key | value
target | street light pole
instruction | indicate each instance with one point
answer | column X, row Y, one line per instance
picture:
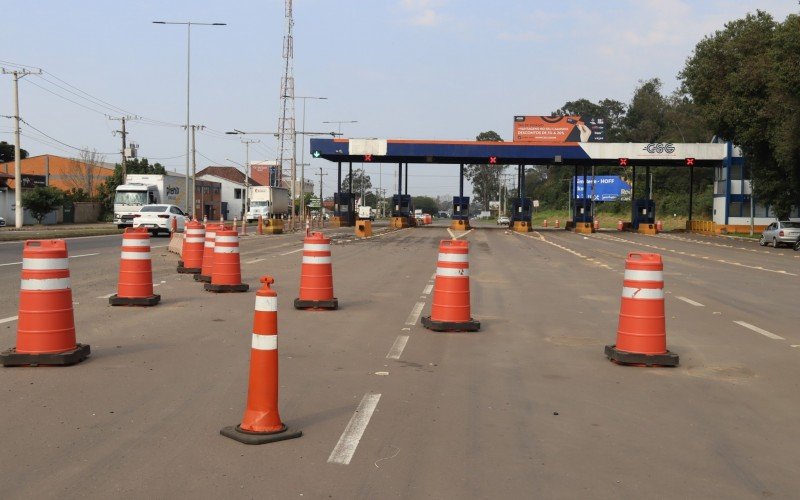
column 247, row 143
column 303, row 155
column 340, row 123
column 188, row 86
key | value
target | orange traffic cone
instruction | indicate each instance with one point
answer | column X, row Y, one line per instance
column 641, row 335
column 226, row 275
column 192, row 251
column 545, row 223
column 316, row 275
column 261, row 422
column 450, row 310
column 207, row 267
column 135, row 287
column 45, row 325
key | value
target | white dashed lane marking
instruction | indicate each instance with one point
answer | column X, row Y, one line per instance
column 759, row 330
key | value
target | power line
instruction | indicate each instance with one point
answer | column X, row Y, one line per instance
column 56, row 140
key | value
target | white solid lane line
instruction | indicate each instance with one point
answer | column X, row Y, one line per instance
column 346, row 447
column 106, row 296
column 253, row 261
column 83, row 255
column 9, row 319
column 427, row 289
column 415, row 312
column 397, row 348
column 690, row 301
column 11, row 264
column 759, row 330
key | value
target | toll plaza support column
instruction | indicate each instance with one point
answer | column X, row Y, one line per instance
column 336, row 220
column 522, row 207
column 400, row 203
column 581, row 217
column 644, row 216
column 460, row 217
column 344, row 213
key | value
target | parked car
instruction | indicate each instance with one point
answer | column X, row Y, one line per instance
column 503, row 220
column 797, row 245
column 158, row 218
column 2, row 222
column 782, row 232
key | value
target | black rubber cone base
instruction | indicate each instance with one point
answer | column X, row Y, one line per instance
column 241, row 287
column 187, row 270
column 238, row 434
column 331, row 304
column 633, row 358
column 202, row 277
column 13, row 358
column 116, row 300
column 451, row 326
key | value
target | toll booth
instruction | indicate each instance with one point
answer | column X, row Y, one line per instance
column 643, row 219
column 344, row 211
column 521, row 214
column 582, row 211
column 402, row 211
column 460, row 213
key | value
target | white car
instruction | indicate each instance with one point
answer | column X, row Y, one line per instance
column 503, row 220
column 158, row 218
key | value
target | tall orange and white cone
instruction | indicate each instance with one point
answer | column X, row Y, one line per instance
column 261, row 422
column 135, row 286
column 316, row 275
column 207, row 266
column 192, row 251
column 641, row 334
column 450, row 309
column 45, row 325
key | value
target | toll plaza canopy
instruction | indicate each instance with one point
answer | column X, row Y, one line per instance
column 511, row 153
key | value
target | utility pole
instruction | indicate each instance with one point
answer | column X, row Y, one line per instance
column 191, row 201
column 287, row 144
column 124, row 134
column 18, row 73
column 247, row 143
column 303, row 190
column 321, row 205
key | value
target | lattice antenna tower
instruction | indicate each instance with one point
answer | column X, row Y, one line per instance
column 286, row 125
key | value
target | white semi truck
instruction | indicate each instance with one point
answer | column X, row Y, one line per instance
column 268, row 202
column 146, row 189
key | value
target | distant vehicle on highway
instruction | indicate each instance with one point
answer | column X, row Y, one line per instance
column 158, row 218
column 442, row 215
column 782, row 232
column 503, row 220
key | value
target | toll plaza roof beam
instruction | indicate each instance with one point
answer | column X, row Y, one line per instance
column 503, row 153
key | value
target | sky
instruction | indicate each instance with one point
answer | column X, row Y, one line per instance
column 416, row 69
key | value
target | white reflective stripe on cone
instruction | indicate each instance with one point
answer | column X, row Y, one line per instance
column 195, row 232
column 45, row 284
column 314, row 247
column 209, row 244
column 638, row 275
column 453, row 257
column 642, row 293
column 450, row 271
column 266, row 304
column 226, row 249
column 265, row 342
column 316, row 260
column 226, row 239
column 135, row 255
column 44, row 264
column 130, row 242
column 189, row 239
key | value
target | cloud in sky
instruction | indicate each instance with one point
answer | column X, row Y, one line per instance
column 423, row 12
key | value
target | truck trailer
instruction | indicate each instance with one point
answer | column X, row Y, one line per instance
column 146, row 189
column 269, row 202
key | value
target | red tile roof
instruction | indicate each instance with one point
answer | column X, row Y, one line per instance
column 232, row 174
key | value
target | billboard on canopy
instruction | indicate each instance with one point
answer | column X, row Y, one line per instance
column 569, row 128
column 602, row 188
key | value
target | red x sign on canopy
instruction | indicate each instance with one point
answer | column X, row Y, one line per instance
column 689, row 162
column 623, row 162
column 493, row 160
column 367, row 157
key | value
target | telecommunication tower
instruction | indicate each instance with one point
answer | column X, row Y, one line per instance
column 286, row 125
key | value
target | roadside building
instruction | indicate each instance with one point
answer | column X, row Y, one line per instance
column 232, row 188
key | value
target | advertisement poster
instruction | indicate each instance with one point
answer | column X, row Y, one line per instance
column 602, row 188
column 571, row 128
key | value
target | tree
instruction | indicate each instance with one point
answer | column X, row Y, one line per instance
column 744, row 81
column 42, row 200
column 107, row 190
column 7, row 152
column 427, row 204
column 83, row 171
column 361, row 182
column 485, row 178
column 611, row 111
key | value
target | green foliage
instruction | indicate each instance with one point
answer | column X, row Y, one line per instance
column 7, row 152
column 485, row 178
column 42, row 200
column 744, row 80
column 74, row 195
column 361, row 182
column 106, row 191
column 427, row 204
